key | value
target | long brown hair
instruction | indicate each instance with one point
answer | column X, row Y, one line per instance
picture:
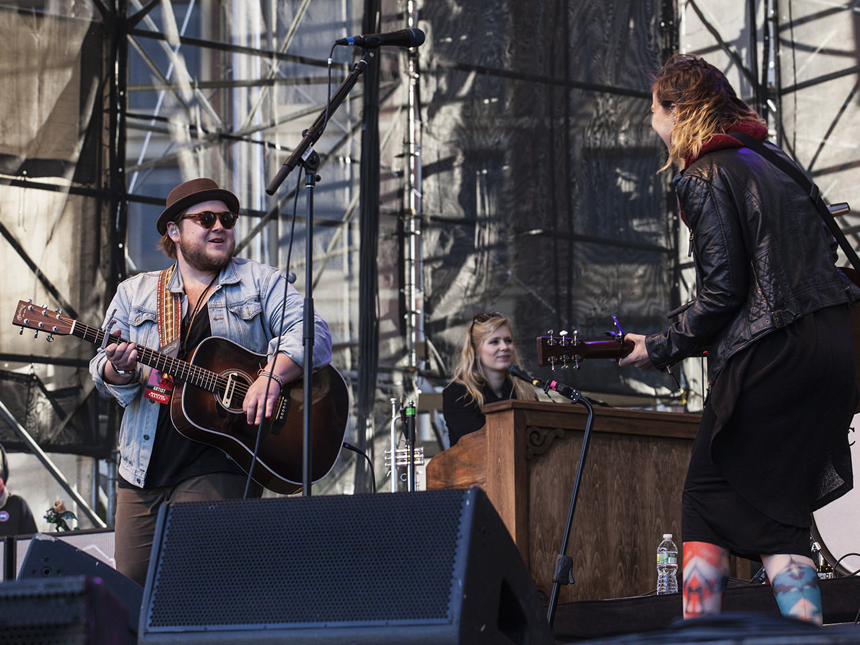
column 703, row 104
column 469, row 371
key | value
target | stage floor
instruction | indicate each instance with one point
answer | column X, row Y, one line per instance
column 597, row 619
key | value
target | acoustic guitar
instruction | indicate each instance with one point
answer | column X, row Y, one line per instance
column 207, row 402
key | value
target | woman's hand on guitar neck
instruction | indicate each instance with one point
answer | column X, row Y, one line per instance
column 639, row 356
column 121, row 356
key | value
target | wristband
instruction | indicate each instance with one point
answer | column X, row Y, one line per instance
column 277, row 379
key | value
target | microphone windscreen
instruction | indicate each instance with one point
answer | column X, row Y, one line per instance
column 417, row 37
column 515, row 370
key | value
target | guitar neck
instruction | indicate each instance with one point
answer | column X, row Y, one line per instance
column 164, row 363
column 607, row 348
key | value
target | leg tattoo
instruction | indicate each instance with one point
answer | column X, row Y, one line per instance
column 706, row 574
column 795, row 585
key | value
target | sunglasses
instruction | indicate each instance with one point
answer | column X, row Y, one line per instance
column 482, row 318
column 206, row 219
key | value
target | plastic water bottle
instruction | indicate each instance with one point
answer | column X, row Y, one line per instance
column 667, row 566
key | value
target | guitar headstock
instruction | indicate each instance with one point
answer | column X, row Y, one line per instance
column 559, row 350
column 566, row 351
column 41, row 319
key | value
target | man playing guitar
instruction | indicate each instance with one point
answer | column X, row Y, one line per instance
column 206, row 293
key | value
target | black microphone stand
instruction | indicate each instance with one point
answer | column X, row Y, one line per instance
column 564, row 563
column 305, row 155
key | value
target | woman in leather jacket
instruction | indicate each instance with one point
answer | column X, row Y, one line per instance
column 771, row 314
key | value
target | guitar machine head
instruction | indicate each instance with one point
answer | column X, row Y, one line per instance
column 41, row 319
column 559, row 350
column 568, row 351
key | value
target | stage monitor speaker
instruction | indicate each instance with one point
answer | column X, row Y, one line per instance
column 74, row 610
column 49, row 557
column 408, row 568
column 98, row 543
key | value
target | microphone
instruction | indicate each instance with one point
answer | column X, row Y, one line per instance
column 561, row 388
column 403, row 38
column 515, row 370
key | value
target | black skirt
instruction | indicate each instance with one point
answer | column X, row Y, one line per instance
column 773, row 446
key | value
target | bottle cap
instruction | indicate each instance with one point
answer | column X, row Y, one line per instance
column 667, row 536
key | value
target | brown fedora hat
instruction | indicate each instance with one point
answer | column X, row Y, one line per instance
column 193, row 192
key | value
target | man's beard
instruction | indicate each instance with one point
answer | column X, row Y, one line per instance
column 196, row 255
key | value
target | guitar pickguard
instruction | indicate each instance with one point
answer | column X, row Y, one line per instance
column 231, row 395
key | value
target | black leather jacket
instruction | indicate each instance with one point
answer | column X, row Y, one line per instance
column 763, row 256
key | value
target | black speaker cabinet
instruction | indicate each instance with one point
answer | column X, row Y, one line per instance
column 429, row 567
column 74, row 610
column 49, row 557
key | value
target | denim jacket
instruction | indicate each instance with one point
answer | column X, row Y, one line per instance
column 245, row 306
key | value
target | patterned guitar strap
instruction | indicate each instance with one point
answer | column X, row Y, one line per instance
column 159, row 386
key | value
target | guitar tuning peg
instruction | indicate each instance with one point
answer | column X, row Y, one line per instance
column 620, row 333
column 21, row 332
column 576, row 338
column 50, row 338
column 563, row 334
column 36, row 335
column 45, row 307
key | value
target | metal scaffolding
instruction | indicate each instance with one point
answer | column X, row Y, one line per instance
column 481, row 171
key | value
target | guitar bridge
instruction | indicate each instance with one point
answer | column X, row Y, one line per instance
column 282, row 407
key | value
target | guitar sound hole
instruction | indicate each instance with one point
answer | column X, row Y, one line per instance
column 231, row 392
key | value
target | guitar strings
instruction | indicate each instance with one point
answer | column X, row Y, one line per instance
column 191, row 373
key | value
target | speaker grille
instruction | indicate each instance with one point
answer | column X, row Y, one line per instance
column 55, row 614
column 60, row 611
column 257, row 562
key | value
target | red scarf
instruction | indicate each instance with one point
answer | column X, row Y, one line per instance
column 723, row 141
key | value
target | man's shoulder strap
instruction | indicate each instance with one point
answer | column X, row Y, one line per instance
column 169, row 309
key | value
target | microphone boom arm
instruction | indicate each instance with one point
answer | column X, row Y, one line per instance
column 305, row 148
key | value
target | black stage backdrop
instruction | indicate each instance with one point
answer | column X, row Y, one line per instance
column 541, row 189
